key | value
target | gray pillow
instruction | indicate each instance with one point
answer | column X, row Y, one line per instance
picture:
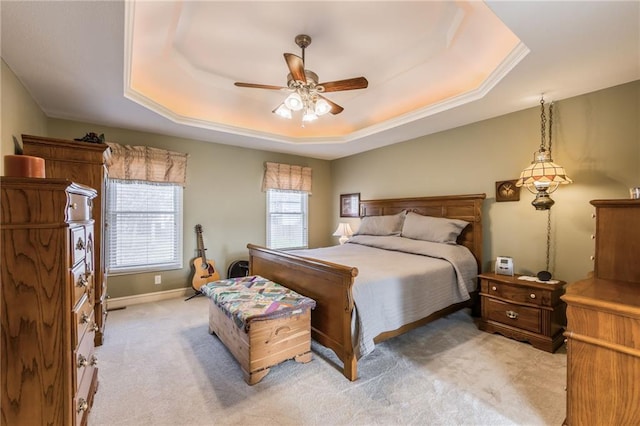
column 435, row 229
column 381, row 225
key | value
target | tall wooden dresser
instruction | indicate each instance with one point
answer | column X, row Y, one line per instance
column 49, row 371
column 84, row 163
column 603, row 323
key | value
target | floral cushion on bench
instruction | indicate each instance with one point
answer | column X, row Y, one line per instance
column 253, row 298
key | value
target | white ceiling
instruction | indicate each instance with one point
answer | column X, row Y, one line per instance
column 169, row 67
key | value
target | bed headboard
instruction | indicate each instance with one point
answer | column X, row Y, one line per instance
column 465, row 207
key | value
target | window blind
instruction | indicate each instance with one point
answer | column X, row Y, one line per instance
column 143, row 226
column 287, row 219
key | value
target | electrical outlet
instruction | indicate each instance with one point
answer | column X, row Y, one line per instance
column 158, row 279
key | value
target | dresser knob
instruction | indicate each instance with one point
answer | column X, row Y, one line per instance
column 532, row 295
column 494, row 288
column 592, row 257
column 593, row 237
column 95, row 327
column 82, row 361
column 80, row 244
column 512, row 314
column 94, row 361
column 83, row 405
column 84, row 318
column 74, row 206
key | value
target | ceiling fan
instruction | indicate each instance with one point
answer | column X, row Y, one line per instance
column 306, row 92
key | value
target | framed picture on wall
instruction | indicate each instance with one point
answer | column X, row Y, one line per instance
column 506, row 190
column 350, row 205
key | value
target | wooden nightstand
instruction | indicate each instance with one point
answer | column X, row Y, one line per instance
column 523, row 310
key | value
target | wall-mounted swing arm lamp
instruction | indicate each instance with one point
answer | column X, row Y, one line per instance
column 542, row 177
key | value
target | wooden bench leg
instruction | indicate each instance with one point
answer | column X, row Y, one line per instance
column 253, row 378
column 303, row 358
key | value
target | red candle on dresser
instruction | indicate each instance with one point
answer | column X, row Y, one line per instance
column 23, row 166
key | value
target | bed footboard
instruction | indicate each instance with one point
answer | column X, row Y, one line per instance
column 329, row 284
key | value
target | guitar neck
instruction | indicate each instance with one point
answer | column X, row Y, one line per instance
column 201, row 249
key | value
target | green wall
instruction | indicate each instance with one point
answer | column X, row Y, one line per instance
column 20, row 114
column 596, row 138
column 223, row 194
column 223, row 191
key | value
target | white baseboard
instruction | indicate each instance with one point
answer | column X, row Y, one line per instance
column 121, row 302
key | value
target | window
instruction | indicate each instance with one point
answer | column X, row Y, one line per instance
column 143, row 226
column 286, row 219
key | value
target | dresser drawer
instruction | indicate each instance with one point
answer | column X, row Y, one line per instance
column 518, row 294
column 84, row 358
column 79, row 208
column 89, row 249
column 521, row 317
column 83, row 399
column 82, row 280
column 79, row 244
column 83, row 319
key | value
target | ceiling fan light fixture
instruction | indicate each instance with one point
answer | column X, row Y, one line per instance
column 322, row 107
column 283, row 111
column 305, row 88
column 309, row 115
column 294, row 102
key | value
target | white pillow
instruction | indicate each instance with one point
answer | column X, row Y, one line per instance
column 381, row 225
column 435, row 229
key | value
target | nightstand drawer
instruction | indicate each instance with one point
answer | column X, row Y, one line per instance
column 521, row 317
column 519, row 294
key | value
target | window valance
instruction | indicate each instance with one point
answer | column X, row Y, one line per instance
column 148, row 164
column 286, row 177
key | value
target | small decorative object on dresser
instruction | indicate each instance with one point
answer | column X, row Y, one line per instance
column 91, row 137
column 23, row 166
column 523, row 309
column 506, row 190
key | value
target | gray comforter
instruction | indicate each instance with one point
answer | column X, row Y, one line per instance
column 400, row 280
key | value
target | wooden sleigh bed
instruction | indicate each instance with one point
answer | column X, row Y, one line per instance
column 331, row 284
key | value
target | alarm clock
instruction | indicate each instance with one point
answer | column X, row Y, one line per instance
column 504, row 265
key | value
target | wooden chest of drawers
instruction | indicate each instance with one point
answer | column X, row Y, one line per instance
column 48, row 373
column 603, row 352
column 603, row 329
column 83, row 163
column 523, row 310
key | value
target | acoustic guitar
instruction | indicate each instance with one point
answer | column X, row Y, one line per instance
column 205, row 270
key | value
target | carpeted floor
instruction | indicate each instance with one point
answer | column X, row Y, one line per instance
column 160, row 366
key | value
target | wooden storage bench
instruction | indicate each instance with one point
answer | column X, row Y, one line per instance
column 260, row 322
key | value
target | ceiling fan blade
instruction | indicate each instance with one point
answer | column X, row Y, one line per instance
column 259, row 86
column 348, row 84
column 296, row 67
column 335, row 108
